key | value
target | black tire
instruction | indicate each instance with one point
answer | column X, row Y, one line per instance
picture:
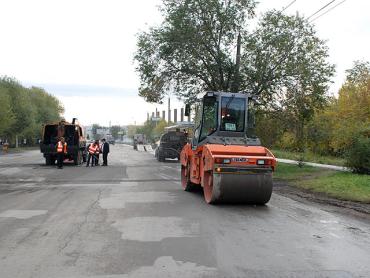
column 161, row 158
column 77, row 158
column 186, row 184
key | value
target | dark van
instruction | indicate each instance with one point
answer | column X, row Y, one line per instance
column 170, row 145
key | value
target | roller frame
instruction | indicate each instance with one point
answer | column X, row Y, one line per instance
column 235, row 183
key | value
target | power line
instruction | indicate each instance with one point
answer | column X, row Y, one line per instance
column 319, row 10
column 332, row 8
column 291, row 3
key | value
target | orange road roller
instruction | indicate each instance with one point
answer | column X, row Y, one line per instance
column 224, row 157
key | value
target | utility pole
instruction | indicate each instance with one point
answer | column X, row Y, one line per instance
column 169, row 110
column 235, row 85
column 182, row 115
column 175, row 116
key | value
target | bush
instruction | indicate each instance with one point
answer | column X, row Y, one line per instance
column 288, row 141
column 358, row 155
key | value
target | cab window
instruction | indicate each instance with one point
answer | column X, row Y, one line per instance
column 232, row 114
column 209, row 124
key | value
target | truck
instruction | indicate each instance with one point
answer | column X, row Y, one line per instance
column 74, row 137
column 173, row 140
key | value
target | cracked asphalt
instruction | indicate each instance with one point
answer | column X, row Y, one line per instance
column 132, row 219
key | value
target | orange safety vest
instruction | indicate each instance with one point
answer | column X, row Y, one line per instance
column 97, row 149
column 61, row 148
column 92, row 149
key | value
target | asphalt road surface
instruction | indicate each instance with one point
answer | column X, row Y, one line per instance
column 132, row 219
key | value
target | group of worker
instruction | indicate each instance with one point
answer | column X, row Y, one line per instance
column 93, row 151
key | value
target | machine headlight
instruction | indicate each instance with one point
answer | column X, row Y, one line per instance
column 221, row 160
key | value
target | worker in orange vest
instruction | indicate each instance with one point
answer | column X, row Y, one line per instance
column 61, row 151
column 93, row 148
column 97, row 153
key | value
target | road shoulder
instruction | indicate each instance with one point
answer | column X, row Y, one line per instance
column 302, row 195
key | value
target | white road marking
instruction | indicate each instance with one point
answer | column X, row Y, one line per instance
column 329, row 222
column 35, row 179
column 22, row 214
column 164, row 176
column 119, row 200
column 155, row 228
column 334, row 235
column 178, row 169
column 168, row 167
column 129, row 183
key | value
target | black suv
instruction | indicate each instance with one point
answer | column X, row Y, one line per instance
column 170, row 145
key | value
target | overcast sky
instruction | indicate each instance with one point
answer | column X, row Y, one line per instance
column 82, row 50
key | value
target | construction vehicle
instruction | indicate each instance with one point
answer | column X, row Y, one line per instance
column 74, row 137
column 224, row 157
column 173, row 140
column 170, row 145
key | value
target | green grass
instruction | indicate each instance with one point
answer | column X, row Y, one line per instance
column 309, row 157
column 344, row 186
column 291, row 172
column 339, row 185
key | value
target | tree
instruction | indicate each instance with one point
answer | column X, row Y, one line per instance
column 282, row 55
column 114, row 130
column 48, row 107
column 147, row 129
column 193, row 49
column 344, row 124
column 94, row 129
column 159, row 128
column 24, row 110
column 132, row 130
column 21, row 106
column 286, row 66
column 352, row 117
column 6, row 114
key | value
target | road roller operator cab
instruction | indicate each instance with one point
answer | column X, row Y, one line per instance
column 224, row 156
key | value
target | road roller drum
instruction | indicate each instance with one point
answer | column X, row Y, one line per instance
column 253, row 188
